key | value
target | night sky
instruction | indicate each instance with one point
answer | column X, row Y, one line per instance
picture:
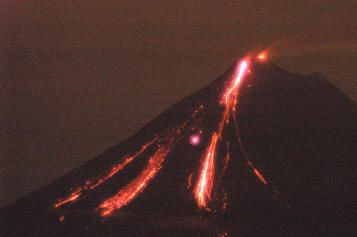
column 77, row 78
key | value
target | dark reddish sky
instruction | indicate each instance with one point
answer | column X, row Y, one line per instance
column 77, row 78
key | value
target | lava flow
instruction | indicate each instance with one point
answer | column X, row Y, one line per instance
column 204, row 186
column 129, row 192
column 79, row 191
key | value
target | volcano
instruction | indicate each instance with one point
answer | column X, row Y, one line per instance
column 259, row 151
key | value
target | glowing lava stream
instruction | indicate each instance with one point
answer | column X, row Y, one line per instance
column 249, row 163
column 234, row 87
column 135, row 187
column 129, row 192
column 204, row 186
column 231, row 103
column 93, row 184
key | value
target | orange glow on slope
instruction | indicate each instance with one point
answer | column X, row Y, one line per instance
column 208, row 178
column 226, row 160
column 238, row 76
column 262, row 56
column 74, row 196
column 135, row 187
column 260, row 176
column 256, row 172
column 93, row 184
column 120, row 166
column 242, row 70
column 189, row 181
column 250, row 164
column 204, row 187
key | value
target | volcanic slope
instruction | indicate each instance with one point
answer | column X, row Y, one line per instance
column 272, row 155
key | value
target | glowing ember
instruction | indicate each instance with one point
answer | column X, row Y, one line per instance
column 195, row 139
column 135, row 187
column 263, row 56
column 189, row 181
column 226, row 160
column 223, row 235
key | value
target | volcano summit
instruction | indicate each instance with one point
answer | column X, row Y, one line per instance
column 259, row 151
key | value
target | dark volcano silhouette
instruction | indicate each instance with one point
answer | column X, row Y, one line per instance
column 298, row 131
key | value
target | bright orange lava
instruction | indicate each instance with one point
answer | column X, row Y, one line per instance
column 262, row 56
column 93, row 184
column 74, row 196
column 256, row 172
column 120, row 166
column 233, row 88
column 204, row 187
column 260, row 176
column 135, row 187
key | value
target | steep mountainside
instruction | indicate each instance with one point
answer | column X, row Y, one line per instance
column 259, row 151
